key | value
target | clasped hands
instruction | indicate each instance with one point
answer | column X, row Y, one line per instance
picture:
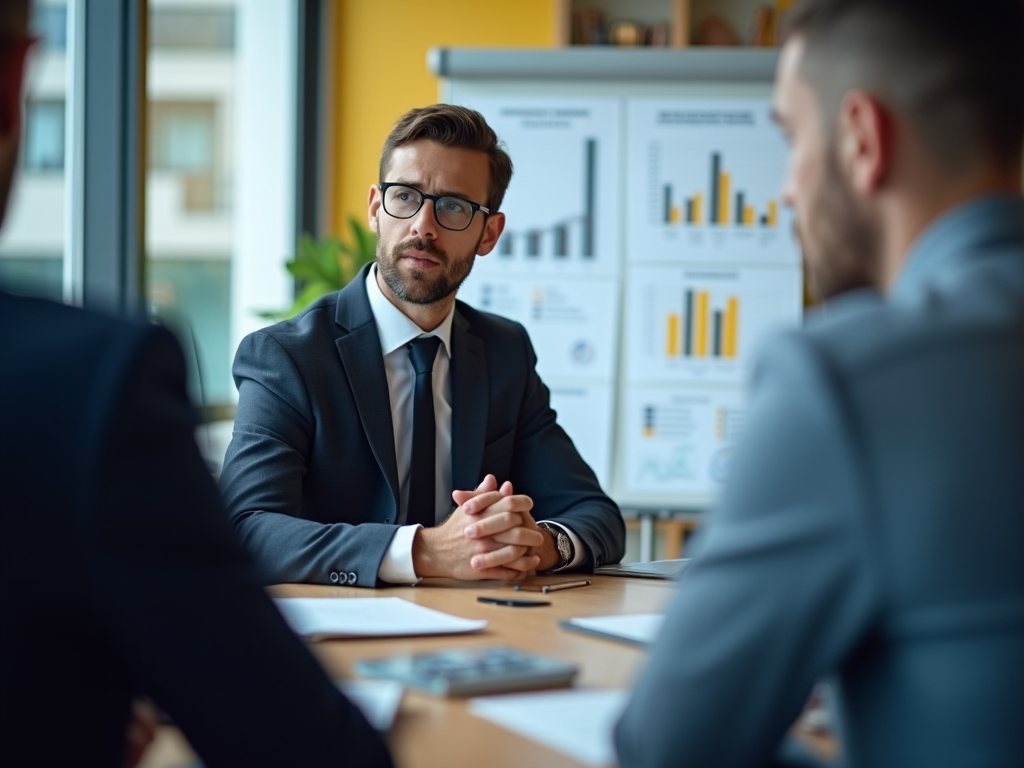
column 490, row 535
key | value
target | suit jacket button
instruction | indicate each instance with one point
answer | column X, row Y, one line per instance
column 387, row 519
column 351, row 577
column 334, row 577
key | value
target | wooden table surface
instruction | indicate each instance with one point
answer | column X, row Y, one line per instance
column 440, row 733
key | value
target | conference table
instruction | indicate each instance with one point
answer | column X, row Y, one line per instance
column 432, row 732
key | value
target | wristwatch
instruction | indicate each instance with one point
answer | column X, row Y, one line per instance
column 566, row 550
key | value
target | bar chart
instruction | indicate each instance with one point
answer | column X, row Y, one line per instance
column 699, row 330
column 570, row 237
column 562, row 205
column 704, row 178
column 724, row 207
column 705, row 324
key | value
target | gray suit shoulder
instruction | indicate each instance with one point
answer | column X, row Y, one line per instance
column 861, row 335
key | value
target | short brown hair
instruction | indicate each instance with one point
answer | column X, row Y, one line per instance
column 453, row 126
column 955, row 70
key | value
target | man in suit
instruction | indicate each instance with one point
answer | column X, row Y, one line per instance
column 364, row 422
column 121, row 575
column 872, row 527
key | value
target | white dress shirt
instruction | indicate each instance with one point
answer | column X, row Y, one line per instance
column 396, row 331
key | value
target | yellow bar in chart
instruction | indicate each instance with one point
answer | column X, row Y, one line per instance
column 673, row 214
column 673, row 337
column 748, row 215
column 732, row 324
column 698, row 208
column 701, row 326
column 723, row 198
column 773, row 213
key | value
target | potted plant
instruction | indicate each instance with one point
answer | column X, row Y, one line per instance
column 325, row 265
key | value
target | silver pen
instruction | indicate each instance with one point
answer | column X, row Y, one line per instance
column 555, row 587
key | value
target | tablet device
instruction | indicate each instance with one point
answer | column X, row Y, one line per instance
column 471, row 671
column 655, row 569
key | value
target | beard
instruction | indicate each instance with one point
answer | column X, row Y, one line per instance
column 418, row 287
column 839, row 240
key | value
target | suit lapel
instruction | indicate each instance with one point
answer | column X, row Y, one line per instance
column 363, row 362
column 470, row 401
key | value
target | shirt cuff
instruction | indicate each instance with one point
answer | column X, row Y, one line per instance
column 577, row 547
column 397, row 567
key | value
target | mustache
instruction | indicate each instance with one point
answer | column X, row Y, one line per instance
column 419, row 244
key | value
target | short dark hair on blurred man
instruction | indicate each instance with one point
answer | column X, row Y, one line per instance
column 950, row 69
column 122, row 578
column 870, row 531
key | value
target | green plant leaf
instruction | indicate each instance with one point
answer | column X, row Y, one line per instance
column 325, row 265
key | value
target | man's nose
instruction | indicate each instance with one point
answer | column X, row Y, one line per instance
column 424, row 223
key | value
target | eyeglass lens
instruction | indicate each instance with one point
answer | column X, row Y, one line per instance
column 404, row 202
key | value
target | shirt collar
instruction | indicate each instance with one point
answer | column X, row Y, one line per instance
column 957, row 236
column 394, row 328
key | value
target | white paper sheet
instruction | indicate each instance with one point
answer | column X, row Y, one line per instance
column 640, row 628
column 576, row 723
column 378, row 700
column 318, row 618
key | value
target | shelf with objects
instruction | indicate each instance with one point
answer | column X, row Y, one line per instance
column 668, row 23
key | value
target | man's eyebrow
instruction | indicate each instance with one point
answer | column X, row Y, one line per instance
column 439, row 193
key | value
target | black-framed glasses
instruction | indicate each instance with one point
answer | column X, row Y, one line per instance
column 404, row 202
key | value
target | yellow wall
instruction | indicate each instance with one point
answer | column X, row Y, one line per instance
column 380, row 52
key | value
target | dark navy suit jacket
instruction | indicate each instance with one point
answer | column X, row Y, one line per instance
column 311, row 479
column 120, row 574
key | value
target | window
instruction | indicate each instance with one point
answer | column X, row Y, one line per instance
column 50, row 23
column 220, row 131
column 33, row 243
column 192, row 28
column 183, row 137
column 44, row 136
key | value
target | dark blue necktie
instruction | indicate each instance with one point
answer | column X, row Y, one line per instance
column 422, row 352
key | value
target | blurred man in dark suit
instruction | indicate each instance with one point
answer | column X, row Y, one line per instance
column 121, row 577
column 873, row 525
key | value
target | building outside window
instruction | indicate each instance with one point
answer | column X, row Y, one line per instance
column 43, row 140
column 32, row 241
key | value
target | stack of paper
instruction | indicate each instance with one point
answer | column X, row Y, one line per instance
column 637, row 628
column 317, row 618
column 577, row 723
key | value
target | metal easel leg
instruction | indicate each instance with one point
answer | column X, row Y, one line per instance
column 646, row 537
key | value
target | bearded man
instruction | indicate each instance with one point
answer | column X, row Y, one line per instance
column 391, row 433
column 871, row 528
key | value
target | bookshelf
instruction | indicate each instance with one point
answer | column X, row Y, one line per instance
column 665, row 23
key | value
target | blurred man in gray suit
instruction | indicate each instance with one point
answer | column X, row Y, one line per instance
column 873, row 526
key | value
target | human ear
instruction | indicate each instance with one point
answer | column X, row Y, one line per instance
column 863, row 141
column 493, row 227
column 373, row 207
